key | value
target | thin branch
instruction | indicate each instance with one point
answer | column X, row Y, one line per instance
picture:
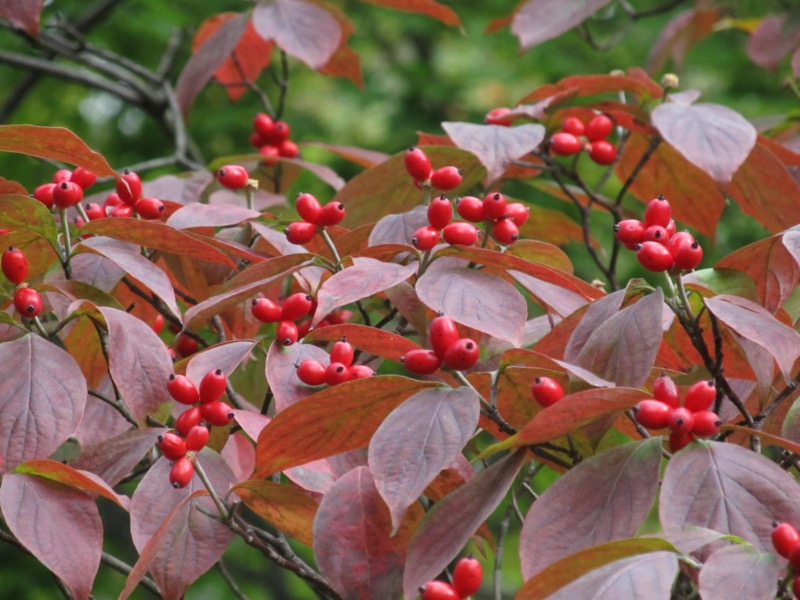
column 223, row 570
column 119, row 566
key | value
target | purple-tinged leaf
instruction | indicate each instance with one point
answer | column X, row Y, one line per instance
column 691, row 540
column 240, row 454
column 772, row 41
column 323, row 173
column 251, row 422
column 476, row 299
column 315, row 476
column 284, row 507
column 210, row 215
column 739, row 572
column 417, row 440
column 113, row 459
column 100, row 421
column 679, row 36
column 562, row 302
column 399, row 228
column 604, row 498
column 497, row 147
column 226, row 356
column 23, row 14
column 352, row 542
column 367, row 339
column 448, row 526
column 96, row 271
column 729, row 489
column 42, row 403
column 59, row 525
column 528, row 24
column 281, row 372
column 712, row 137
column 303, row 30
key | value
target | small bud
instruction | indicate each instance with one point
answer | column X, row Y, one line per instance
column 670, row 80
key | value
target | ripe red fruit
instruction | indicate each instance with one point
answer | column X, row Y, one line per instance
column 44, row 194
column 300, row 232
column 66, row 194
column 796, row 586
column 467, row 576
column 680, row 420
column 149, row 208
column 651, row 414
column 425, row 238
column 706, row 423
column 343, row 352
column 332, row 214
column 654, row 257
column 61, row 175
column 263, row 124
column 494, row 206
column 440, row 211
column 181, row 473
column 129, row 187
column 28, row 302
column 630, row 231
column 470, row 209
column 518, row 212
column 505, row 231
column 421, row 361
column 182, row 389
column 678, row 441
column 158, row 324
column 700, row 396
column 217, row 413
column 784, row 538
column 687, row 257
column 574, row 126
column 359, row 372
column 121, row 211
column 656, row 233
column 462, row 355
column 270, row 153
column 212, row 386
column 233, row 177
column 308, row 207
column 794, row 558
column 658, row 212
column 286, row 333
column 671, row 228
column 417, row 164
column 15, row 265
column 185, row 345
column 311, row 372
column 603, row 152
column 546, row 391
column 497, row 116
column 336, row 373
column 187, row 419
column 438, row 590
column 446, row 178
column 197, row 438
column 461, row 233
column 679, row 240
column 288, row 149
column 112, row 200
column 599, row 128
column 94, row 211
column 565, row 144
column 297, row 306
column 443, row 334
column 83, row 178
column 265, row 310
column 172, row 446
column 665, row 390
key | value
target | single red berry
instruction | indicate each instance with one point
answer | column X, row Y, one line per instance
column 461, row 233
column 654, row 257
column 574, row 126
column 505, row 231
column 518, row 212
column 425, row 238
column 630, row 231
column 443, row 334
column 217, row 413
column 181, row 473
column 498, row 116
column 62, row 175
column 297, row 306
column 603, row 152
column 343, row 352
column 446, row 178
column 149, row 208
column 656, row 233
column 286, row 333
column 706, row 423
column 467, row 576
column 438, row 590
column 784, row 538
column 256, row 141
column 680, row 420
column 418, row 164
column 233, row 177
column 651, row 414
column 599, row 128
column 679, row 441
column 129, row 187
column 421, row 361
column 288, row 149
column 263, row 124
column 494, row 206
column 658, row 212
column 359, row 372
column 44, row 194
column 112, row 200
column 440, row 211
column 182, row 389
column 270, row 153
column 546, row 391
column 300, row 232
column 700, row 396
column 187, row 419
column 565, row 144
column 462, row 355
column 332, row 214
column 94, row 211
column 158, row 324
column 185, row 345
column 265, row 310
column 172, row 446
column 15, row 265
column 123, row 211
column 66, row 194
column 279, row 134
column 83, row 178
column 679, row 240
column 470, row 209
column 671, row 228
column 212, row 386
column 308, row 207
column 311, row 372
column 665, row 390
column 336, row 373
column 197, row 438
column 28, row 302
column 688, row 257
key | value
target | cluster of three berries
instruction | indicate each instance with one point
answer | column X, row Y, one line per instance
column 313, row 215
column 339, row 369
column 272, row 139
column 467, row 577
column 296, row 307
column 447, row 346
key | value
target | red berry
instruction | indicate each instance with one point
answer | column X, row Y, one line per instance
column 796, row 586
column 654, row 257
column 651, row 414
column 83, row 178
column 446, row 178
column 467, row 576
column 270, row 153
column 421, row 361
column 280, row 133
column 158, row 324
column 657, row 212
column 300, row 232
column 505, row 231
column 438, row 590
column 599, row 128
column 461, row 233
column 565, row 144
column 123, row 211
column 546, row 391
column 518, row 212
column 66, row 194
column 44, row 194
column 149, row 208
column 308, row 207
column 671, row 228
column 687, row 257
column 61, row 175
column 286, row 333
column 603, row 152
column 172, row 446
column 187, row 419
column 212, row 386
column 680, row 420
column 332, row 214
column 297, row 306
column 263, row 124
column 28, row 302
column 418, row 164
column 129, row 187
column 94, row 211
column 470, row 208
column 197, row 438
column 182, row 389
column 794, row 558
column 443, row 334
column 665, row 390
column 15, row 265
column 784, row 538
column 706, row 423
column 217, row 413
column 700, row 396
column 462, row 355
column 678, row 441
column 343, row 352
column 497, row 116
column 359, row 372
column 311, row 372
column 679, row 240
column 265, row 310
column 656, row 233
column 440, row 211
column 336, row 373
column 574, row 126
column 185, row 345
column 494, row 206
column 630, row 231
column 112, row 200
column 288, row 149
column 181, row 473
column 425, row 238
column 233, row 177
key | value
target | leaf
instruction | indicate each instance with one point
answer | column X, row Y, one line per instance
column 604, row 498
column 417, row 440
column 476, row 299
column 240, row 454
column 23, row 14
column 729, row 489
column 286, row 508
column 210, row 215
column 360, row 156
column 429, row 8
column 531, row 29
column 225, row 356
column 772, row 40
column 635, row 82
column 448, row 526
column 398, row 228
column 39, row 511
column 281, row 372
column 597, row 313
column 303, row 30
column 42, row 404
column 714, row 138
column 679, row 36
column 25, row 213
column 334, row 420
column 113, row 459
column 207, row 59
column 352, row 543
column 755, row 324
column 561, row 301
column 497, row 147
column 583, row 562
column 367, row 339
column 540, row 252
column 739, row 571
column 53, row 143
column 710, row 282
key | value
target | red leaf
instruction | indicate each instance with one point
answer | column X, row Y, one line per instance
column 559, row 300
column 399, row 228
column 302, row 29
column 772, row 40
column 23, row 14
column 210, row 215
column 495, row 146
column 636, row 82
column 729, row 489
column 286, row 508
column 612, row 493
column 448, row 526
column 352, row 543
column 712, row 137
column 42, row 404
column 240, row 454
column 281, row 371
column 334, row 420
column 39, row 511
column 226, row 356
column 531, row 29
column 432, row 9
column 361, row 156
column 739, row 571
column 679, row 36
column 597, row 313
column 417, row 440
column 207, row 59
column 367, row 339
column 113, row 459
column 12, row 187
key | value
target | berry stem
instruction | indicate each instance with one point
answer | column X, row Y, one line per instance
column 40, row 328
column 67, row 248
column 223, row 510
column 82, row 212
column 329, row 243
column 250, row 193
column 684, row 298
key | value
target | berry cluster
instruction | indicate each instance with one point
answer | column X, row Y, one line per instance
column 694, row 419
column 314, row 215
column 272, row 139
column 296, row 307
column 457, row 353
column 192, row 425
column 467, row 577
column 440, row 211
column 233, row 177
column 505, row 217
column 575, row 135
column 658, row 247
column 419, row 167
column 126, row 201
column 339, row 370
column 546, row 391
column 66, row 189
column 27, row 300
column 786, row 540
